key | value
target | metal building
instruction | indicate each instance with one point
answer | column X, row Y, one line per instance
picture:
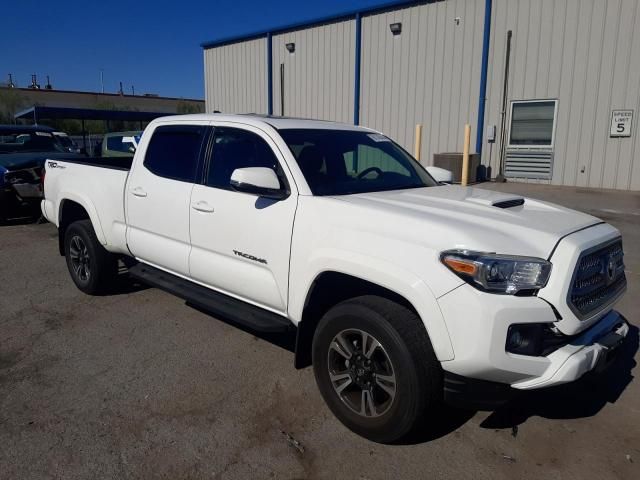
column 551, row 88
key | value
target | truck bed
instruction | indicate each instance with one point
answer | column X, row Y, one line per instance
column 116, row 163
column 98, row 185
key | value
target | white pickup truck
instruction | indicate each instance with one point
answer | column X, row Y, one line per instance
column 404, row 292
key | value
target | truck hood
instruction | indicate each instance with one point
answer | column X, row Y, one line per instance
column 471, row 218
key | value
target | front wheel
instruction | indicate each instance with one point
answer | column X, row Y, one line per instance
column 375, row 367
column 92, row 268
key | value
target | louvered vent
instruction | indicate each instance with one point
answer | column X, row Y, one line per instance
column 528, row 164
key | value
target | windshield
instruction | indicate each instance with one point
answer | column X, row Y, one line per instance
column 65, row 141
column 18, row 142
column 341, row 162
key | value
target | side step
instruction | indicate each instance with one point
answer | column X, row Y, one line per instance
column 216, row 303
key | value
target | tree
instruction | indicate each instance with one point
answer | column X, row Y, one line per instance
column 188, row 107
column 11, row 102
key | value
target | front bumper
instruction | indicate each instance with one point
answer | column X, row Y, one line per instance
column 478, row 324
column 594, row 351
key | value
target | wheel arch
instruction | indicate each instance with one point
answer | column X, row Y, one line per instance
column 71, row 210
column 332, row 287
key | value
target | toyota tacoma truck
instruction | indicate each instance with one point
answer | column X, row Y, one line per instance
column 404, row 292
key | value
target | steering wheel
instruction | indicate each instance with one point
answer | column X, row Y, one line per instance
column 369, row 170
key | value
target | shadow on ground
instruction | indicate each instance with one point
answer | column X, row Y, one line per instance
column 581, row 399
column 285, row 340
column 439, row 424
column 26, row 220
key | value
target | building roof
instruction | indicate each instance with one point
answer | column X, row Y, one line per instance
column 341, row 15
column 145, row 96
column 38, row 112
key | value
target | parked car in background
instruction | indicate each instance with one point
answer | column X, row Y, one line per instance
column 66, row 141
column 405, row 292
column 23, row 150
column 119, row 144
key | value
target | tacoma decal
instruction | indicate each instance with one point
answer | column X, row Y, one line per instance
column 250, row 257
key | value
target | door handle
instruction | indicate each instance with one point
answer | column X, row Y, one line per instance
column 202, row 206
column 139, row 192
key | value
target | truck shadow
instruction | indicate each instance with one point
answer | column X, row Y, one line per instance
column 580, row 399
column 439, row 424
column 123, row 284
column 285, row 340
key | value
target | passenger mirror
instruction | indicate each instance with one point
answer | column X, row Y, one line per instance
column 440, row 175
column 260, row 181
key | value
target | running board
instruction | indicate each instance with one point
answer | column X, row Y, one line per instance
column 213, row 302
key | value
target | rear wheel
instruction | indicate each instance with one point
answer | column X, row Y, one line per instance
column 375, row 367
column 92, row 268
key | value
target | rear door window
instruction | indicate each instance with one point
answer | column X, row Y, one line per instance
column 174, row 152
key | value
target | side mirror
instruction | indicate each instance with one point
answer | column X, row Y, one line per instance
column 260, row 181
column 440, row 175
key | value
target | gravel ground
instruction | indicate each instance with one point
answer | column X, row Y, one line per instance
column 140, row 385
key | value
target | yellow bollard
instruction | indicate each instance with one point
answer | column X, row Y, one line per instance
column 418, row 145
column 465, row 155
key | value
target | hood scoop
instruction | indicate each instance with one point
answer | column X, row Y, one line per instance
column 495, row 199
column 515, row 202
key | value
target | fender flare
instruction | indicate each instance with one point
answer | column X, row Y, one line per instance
column 89, row 207
column 391, row 277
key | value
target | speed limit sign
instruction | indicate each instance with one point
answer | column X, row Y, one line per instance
column 621, row 123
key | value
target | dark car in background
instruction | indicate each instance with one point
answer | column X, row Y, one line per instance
column 23, row 151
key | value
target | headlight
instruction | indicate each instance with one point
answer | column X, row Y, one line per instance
column 2, row 172
column 498, row 273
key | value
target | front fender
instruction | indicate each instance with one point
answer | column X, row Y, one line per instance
column 382, row 273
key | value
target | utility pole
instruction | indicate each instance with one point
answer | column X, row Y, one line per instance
column 102, row 80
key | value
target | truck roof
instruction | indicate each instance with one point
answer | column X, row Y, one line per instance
column 277, row 122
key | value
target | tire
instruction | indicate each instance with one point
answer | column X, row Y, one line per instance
column 93, row 269
column 404, row 375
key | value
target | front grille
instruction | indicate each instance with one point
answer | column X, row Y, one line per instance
column 598, row 279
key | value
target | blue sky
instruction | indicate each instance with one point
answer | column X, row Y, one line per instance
column 153, row 45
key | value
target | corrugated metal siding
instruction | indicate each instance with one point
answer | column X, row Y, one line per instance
column 236, row 77
column 429, row 74
column 319, row 76
column 585, row 54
